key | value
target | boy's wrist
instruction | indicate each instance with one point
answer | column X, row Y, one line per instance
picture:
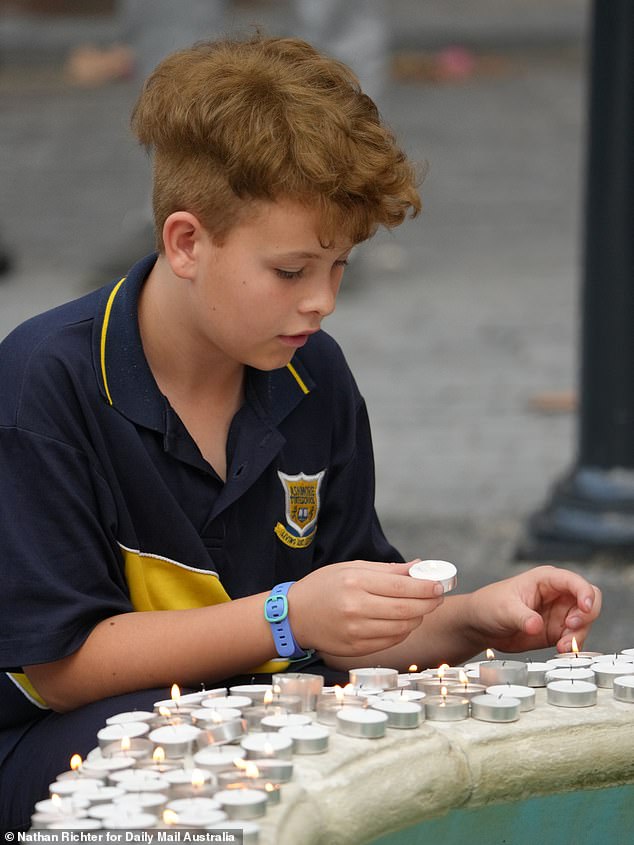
column 276, row 613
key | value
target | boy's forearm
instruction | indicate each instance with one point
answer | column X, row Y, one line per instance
column 141, row 650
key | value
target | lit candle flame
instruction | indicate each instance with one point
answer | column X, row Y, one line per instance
column 198, row 779
column 56, row 799
column 175, row 694
column 125, row 744
column 413, row 668
column 443, row 692
column 339, row 694
column 277, row 689
column 269, row 787
column 164, row 711
column 159, row 754
column 268, row 697
column 268, row 749
column 490, row 654
column 441, row 670
column 462, row 676
column 170, row 817
column 575, row 647
column 75, row 762
column 251, row 770
column 348, row 689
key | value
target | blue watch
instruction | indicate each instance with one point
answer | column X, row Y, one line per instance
column 276, row 613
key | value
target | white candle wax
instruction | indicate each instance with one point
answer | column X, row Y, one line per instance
column 196, row 812
column 116, row 732
column 624, row 688
column 72, row 805
column 253, row 715
column 267, row 745
column 400, row 714
column 242, row 803
column 218, row 759
column 361, row 722
column 191, row 699
column 214, row 715
column 255, row 692
column 571, row 693
column 568, row 662
column 139, row 780
column 307, row 739
column 131, row 716
column 275, row 722
column 628, row 652
column 525, row 695
column 236, row 702
column 563, row 673
column 68, row 786
column 103, row 794
column 76, row 824
column 605, row 673
column 105, row 766
column 401, row 695
column 536, row 673
column 442, row 571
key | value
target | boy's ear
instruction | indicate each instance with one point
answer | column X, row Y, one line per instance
column 182, row 233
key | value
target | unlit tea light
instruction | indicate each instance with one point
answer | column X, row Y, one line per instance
column 441, row 571
column 400, row 714
column 374, row 678
column 242, row 803
column 307, row 739
column 361, row 722
column 624, row 688
column 267, row 745
column 525, row 695
column 605, row 673
column 495, row 708
column 571, row 693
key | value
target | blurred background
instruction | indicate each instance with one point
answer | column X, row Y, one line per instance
column 462, row 326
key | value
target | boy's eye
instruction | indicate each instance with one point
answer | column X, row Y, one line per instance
column 289, row 274
column 342, row 262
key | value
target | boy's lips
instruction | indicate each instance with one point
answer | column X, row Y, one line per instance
column 296, row 339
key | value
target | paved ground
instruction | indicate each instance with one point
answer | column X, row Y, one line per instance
column 452, row 324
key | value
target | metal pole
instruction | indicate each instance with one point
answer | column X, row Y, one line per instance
column 592, row 508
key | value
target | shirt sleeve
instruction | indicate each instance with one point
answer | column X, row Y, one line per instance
column 61, row 570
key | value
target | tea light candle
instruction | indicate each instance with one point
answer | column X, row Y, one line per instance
column 139, row 780
column 221, row 733
column 446, row 708
column 196, row 812
column 624, row 688
column 191, row 783
column 525, row 695
column 255, row 692
column 605, row 673
column 253, row 715
column 495, row 708
column 267, row 745
column 503, row 672
column 242, row 803
column 191, row 699
column 400, row 714
column 68, row 786
column 100, row 767
column 571, row 693
column 563, row 673
column 56, row 807
column 329, row 706
column 536, row 673
column 365, row 723
column 218, row 759
column 147, row 802
column 441, row 571
column 237, row 702
column 303, row 684
column 275, row 769
column 131, row 716
column 102, row 794
column 374, row 678
column 400, row 695
column 569, row 662
column 249, row 831
column 115, row 733
column 307, row 739
column 203, row 715
column 627, row 652
column 274, row 723
column 607, row 658
column 176, row 740
column 465, row 690
column 138, row 748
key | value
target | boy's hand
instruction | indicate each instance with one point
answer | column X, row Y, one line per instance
column 542, row 607
column 359, row 607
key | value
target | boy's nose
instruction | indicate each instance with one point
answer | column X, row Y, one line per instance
column 321, row 297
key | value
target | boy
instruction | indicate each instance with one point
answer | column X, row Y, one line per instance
column 187, row 480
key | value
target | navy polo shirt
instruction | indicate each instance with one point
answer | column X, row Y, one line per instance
column 108, row 506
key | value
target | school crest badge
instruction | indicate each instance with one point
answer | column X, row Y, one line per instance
column 301, row 493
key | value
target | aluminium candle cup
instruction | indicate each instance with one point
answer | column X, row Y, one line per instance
column 569, row 662
column 399, row 695
column 140, row 748
column 503, row 672
column 441, row 571
column 227, row 780
column 221, row 733
column 139, row 780
column 105, row 767
column 237, row 702
column 274, row 723
column 525, row 695
column 571, row 693
column 249, row 831
column 291, row 703
column 576, row 655
column 468, row 690
column 254, row 715
column 132, row 716
column 275, row 769
column 377, row 678
column 195, row 812
column 495, row 708
column 617, row 656
column 624, row 688
column 446, row 708
column 361, row 722
column 267, row 745
column 69, row 786
column 307, row 686
column 400, row 714
column 605, row 673
column 307, row 739
column 328, row 707
column 536, row 673
column 185, row 777
column 433, row 686
column 242, row 803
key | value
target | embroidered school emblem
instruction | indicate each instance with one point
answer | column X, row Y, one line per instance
column 301, row 493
